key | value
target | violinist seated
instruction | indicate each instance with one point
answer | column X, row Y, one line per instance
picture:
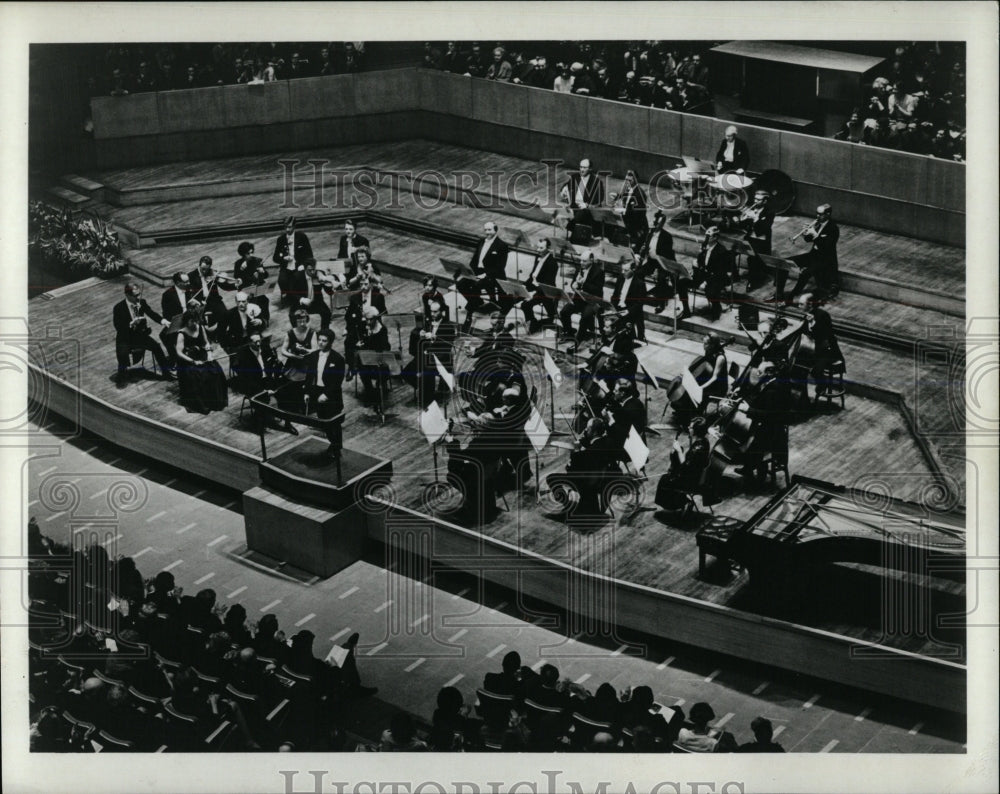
column 715, row 267
column 241, row 321
column 307, row 291
column 489, row 263
column 374, row 337
column 259, row 373
column 768, row 409
column 250, row 273
column 431, row 291
column 661, row 245
column 361, row 267
column 367, row 297
column 629, row 296
column 688, row 470
column 206, row 288
column 591, row 467
column 589, row 280
column 624, row 410
column 433, row 340
column 173, row 303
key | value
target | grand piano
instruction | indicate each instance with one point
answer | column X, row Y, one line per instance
column 819, row 547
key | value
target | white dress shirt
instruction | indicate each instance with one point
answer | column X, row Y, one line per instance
column 623, row 296
column 324, row 356
column 485, row 250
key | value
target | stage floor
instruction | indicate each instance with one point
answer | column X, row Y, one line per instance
column 868, row 443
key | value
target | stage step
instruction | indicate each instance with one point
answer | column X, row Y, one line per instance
column 66, row 197
column 83, row 185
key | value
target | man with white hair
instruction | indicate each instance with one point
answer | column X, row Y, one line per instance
column 241, row 321
column 733, row 154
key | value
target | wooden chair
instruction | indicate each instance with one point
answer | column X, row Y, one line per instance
column 832, row 384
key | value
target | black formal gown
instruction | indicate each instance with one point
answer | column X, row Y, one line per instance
column 202, row 384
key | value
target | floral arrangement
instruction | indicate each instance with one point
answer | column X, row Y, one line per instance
column 83, row 243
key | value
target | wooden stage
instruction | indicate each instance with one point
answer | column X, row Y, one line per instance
column 871, row 443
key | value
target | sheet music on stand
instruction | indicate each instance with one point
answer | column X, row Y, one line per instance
column 458, row 270
column 692, row 387
column 513, row 289
column 554, row 293
column 515, row 238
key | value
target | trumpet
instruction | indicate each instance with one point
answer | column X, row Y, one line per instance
column 804, row 229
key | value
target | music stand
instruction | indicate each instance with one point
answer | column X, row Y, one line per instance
column 614, row 254
column 512, row 289
column 562, row 218
column 606, row 217
column 458, row 271
column 676, row 271
column 515, row 238
column 777, row 263
column 379, row 362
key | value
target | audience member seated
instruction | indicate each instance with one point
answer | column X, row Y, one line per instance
column 763, row 738
column 509, row 680
column 697, row 737
column 400, row 736
column 543, row 689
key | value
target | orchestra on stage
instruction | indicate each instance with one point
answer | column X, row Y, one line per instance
column 477, row 392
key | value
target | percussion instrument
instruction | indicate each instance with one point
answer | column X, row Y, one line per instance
column 781, row 188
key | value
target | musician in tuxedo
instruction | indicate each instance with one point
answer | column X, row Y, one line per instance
column 367, row 297
column 592, row 465
column 500, row 429
column 249, row 271
column 351, row 241
column 590, row 281
column 498, row 338
column 292, row 252
column 325, row 369
column 661, row 245
column 687, row 467
column 714, row 269
column 434, row 340
column 173, row 303
column 308, row 291
column 374, row 337
column 543, row 271
column 132, row 332
column 757, row 221
column 625, row 410
column 819, row 328
column 629, row 296
column 819, row 263
column 206, row 289
column 584, row 189
column 241, row 321
column 258, row 371
column 489, row 263
column 733, row 154
column 633, row 202
column 768, row 409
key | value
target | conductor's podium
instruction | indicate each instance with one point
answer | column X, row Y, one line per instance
column 308, row 510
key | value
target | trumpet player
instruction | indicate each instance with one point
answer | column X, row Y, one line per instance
column 757, row 221
column 819, row 263
column 589, row 280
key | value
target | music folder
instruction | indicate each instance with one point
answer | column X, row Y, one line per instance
column 691, row 386
column 457, row 269
column 554, row 293
column 777, row 262
column 513, row 288
column 673, row 268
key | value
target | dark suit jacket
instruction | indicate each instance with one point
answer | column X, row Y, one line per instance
column 333, row 378
column 741, row 155
column 719, row 264
column 213, row 299
column 635, row 207
column 547, row 273
column 825, row 246
column 122, row 320
column 250, row 378
column 355, row 316
column 824, row 337
column 631, row 413
column 594, row 283
column 502, row 684
column 495, row 263
column 234, row 334
column 246, row 270
column 762, row 228
column 492, row 344
column 302, row 250
column 170, row 303
column 665, row 245
column 440, row 346
column 636, row 296
column 359, row 241
column 593, row 192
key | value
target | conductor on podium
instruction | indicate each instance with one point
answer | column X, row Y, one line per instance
column 325, row 369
